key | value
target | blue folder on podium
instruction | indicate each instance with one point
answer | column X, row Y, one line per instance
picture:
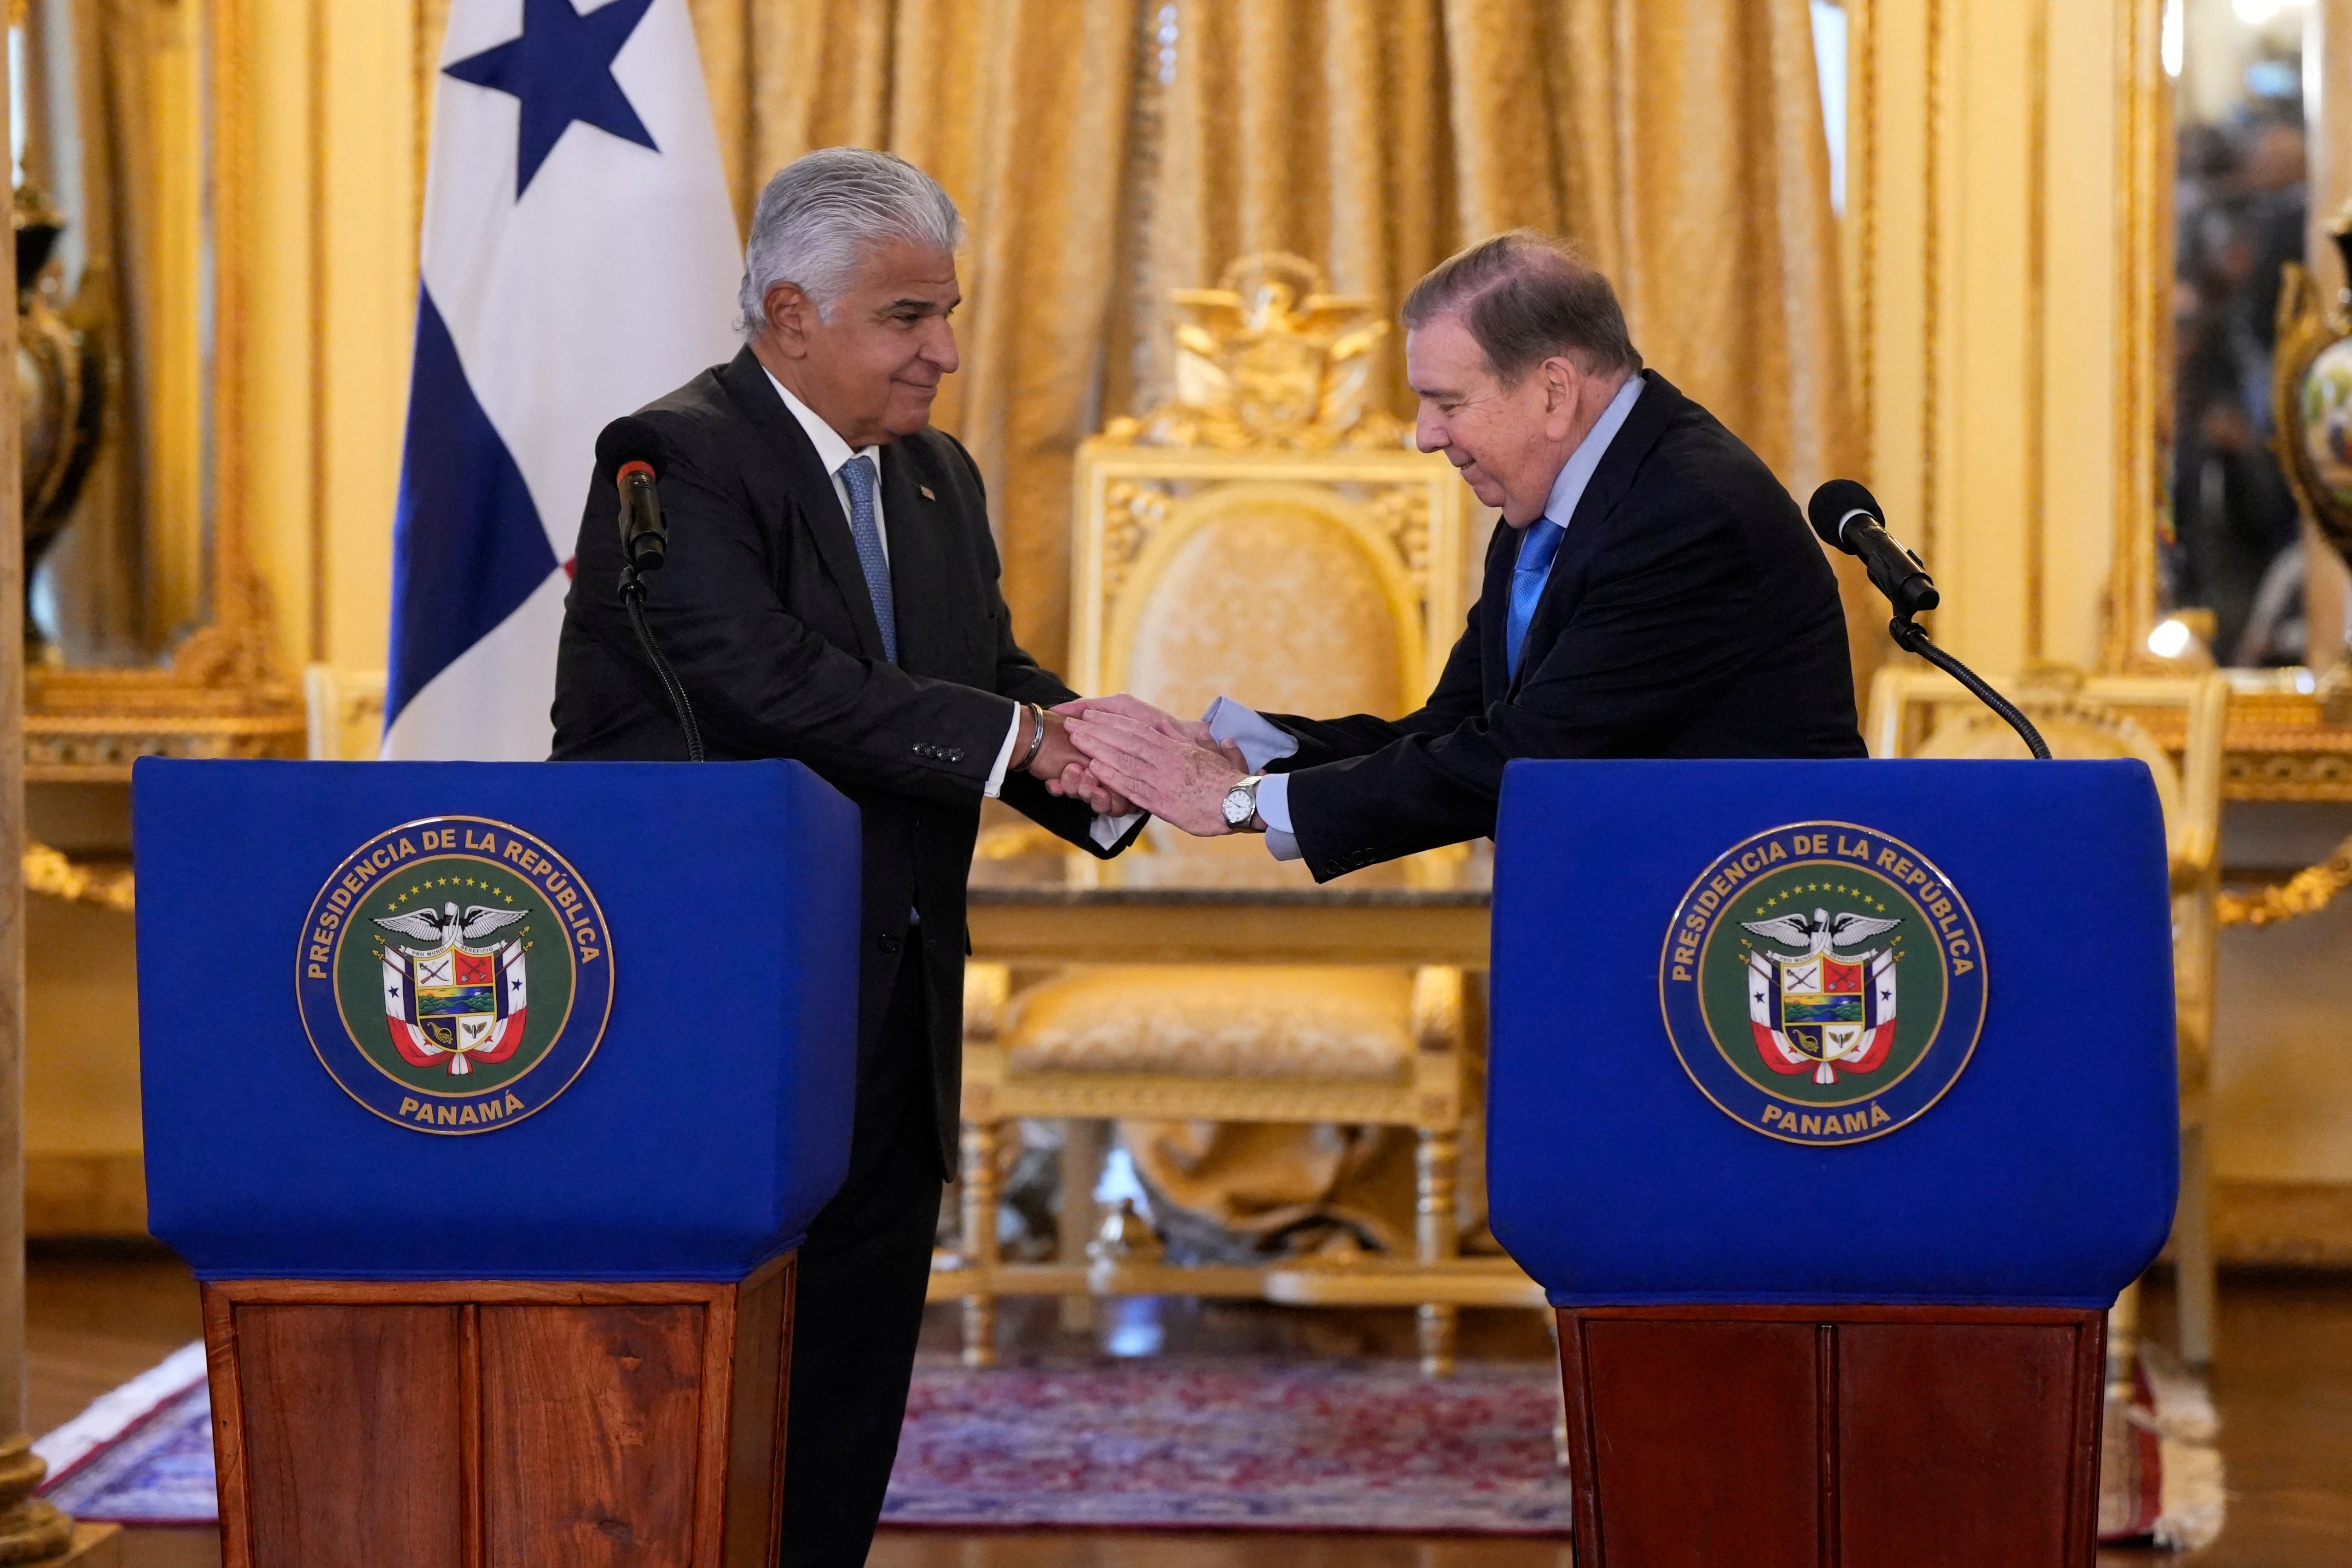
column 489, row 1021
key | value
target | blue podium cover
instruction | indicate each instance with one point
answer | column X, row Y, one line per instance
column 520, row 1021
column 1832, row 1032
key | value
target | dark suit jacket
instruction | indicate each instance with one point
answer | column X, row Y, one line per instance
column 762, row 609
column 1689, row 613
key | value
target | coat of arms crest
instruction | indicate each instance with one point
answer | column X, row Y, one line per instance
column 1818, row 1009
column 454, row 1003
column 455, row 974
column 1782, row 971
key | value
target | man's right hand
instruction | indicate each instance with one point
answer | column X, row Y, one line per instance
column 1064, row 771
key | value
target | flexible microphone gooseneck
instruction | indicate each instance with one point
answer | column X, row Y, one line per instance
column 634, row 451
column 1848, row 519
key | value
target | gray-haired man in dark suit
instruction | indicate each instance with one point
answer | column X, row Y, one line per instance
column 831, row 595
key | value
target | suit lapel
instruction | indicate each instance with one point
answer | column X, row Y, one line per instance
column 1588, row 527
column 1494, row 595
column 808, row 490
column 918, row 565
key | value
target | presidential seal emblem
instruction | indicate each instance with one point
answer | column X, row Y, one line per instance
column 455, row 974
column 1823, row 982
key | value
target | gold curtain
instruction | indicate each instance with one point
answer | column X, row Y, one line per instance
column 1107, row 151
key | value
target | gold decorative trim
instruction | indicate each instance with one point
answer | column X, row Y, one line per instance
column 2306, row 892
column 1100, row 1096
column 31, row 1530
column 2143, row 328
column 1862, row 213
column 2291, row 1225
column 2037, row 343
column 50, row 873
column 1931, row 273
column 318, row 44
column 223, row 694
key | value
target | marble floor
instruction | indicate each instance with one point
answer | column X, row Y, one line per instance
column 98, row 1315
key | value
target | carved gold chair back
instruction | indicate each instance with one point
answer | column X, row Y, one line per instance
column 1268, row 536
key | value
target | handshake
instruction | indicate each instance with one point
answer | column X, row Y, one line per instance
column 1121, row 755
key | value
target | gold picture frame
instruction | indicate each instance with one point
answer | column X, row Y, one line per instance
column 223, row 692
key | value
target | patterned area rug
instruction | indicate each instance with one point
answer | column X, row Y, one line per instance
column 142, row 1454
column 2159, row 1473
column 1232, row 1444
column 1187, row 1445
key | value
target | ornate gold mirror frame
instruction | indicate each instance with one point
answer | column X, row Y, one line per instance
column 221, row 693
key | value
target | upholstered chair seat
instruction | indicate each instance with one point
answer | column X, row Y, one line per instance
column 1328, row 1025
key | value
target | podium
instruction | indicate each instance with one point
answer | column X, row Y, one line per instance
column 1832, row 1103
column 488, row 1102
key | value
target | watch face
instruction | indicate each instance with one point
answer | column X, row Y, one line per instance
column 1241, row 805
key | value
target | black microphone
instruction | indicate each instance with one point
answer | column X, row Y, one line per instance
column 1848, row 518
column 634, row 451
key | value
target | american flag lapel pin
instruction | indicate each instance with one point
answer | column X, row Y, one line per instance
column 925, row 491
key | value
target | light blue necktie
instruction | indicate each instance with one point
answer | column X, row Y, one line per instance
column 858, row 478
column 1537, row 548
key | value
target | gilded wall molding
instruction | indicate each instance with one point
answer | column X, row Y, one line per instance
column 2144, row 153
column 223, row 692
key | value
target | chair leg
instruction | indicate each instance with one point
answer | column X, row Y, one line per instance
column 1082, row 1158
column 1435, row 1330
column 980, row 1255
column 2122, row 1343
column 2192, row 1251
column 1437, row 1235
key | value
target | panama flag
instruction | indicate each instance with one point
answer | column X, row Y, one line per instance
column 580, row 259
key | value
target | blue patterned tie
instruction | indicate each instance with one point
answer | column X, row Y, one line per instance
column 1537, row 548
column 858, row 478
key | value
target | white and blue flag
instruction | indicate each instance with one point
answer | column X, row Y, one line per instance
column 580, row 259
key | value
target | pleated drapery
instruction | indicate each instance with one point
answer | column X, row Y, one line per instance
column 1107, row 151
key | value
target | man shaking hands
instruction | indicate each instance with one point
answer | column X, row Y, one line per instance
column 1654, row 594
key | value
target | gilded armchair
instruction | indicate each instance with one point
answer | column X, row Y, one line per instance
column 2174, row 724
column 1266, row 536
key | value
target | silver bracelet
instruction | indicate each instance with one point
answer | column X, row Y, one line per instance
column 1036, row 739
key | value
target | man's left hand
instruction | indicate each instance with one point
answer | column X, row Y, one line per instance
column 1172, row 778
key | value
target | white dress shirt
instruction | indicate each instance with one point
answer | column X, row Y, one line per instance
column 1262, row 742
column 833, row 452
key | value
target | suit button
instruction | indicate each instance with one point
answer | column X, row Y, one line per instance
column 955, row 754
column 887, row 941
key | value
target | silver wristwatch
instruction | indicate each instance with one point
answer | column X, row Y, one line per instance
column 1241, row 803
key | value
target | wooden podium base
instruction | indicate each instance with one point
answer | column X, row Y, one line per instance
column 483, row 1423
column 1833, row 1436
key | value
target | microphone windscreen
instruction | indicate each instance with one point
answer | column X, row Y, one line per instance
column 1833, row 503
column 630, row 440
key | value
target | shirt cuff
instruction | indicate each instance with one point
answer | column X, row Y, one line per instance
column 1260, row 741
column 995, row 784
column 1274, row 810
column 1106, row 831
column 1274, row 803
